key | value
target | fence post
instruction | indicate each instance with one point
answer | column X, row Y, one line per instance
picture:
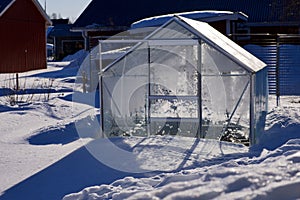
column 17, row 82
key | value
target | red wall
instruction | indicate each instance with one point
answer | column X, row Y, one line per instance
column 22, row 38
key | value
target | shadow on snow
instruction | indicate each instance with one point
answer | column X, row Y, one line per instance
column 4, row 108
column 91, row 99
column 276, row 136
column 55, row 135
column 67, row 133
column 34, row 91
column 70, row 174
column 64, row 72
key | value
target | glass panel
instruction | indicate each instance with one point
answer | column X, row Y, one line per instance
column 225, row 97
column 188, row 128
column 213, row 106
column 173, row 70
column 225, row 106
column 261, row 102
column 89, row 69
column 131, row 62
column 237, row 126
column 173, row 30
column 112, row 51
column 216, row 63
column 174, row 108
column 125, row 88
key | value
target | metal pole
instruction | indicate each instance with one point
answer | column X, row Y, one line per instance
column 252, row 136
column 149, row 88
column 101, row 90
column 234, row 110
column 101, row 106
column 100, row 57
column 200, row 133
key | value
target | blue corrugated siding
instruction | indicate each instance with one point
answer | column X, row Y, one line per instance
column 268, row 55
column 289, row 66
column 289, row 69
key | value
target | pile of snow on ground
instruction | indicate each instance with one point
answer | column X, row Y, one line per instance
column 76, row 59
column 272, row 175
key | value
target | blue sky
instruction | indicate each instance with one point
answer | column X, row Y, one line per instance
column 65, row 8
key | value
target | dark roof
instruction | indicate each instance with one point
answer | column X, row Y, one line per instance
column 123, row 13
column 59, row 21
column 62, row 30
column 4, row 4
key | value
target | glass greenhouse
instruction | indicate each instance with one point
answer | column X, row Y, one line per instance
column 186, row 79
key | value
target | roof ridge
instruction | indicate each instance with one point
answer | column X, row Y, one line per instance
column 6, row 4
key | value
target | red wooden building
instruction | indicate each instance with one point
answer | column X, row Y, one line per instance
column 23, row 26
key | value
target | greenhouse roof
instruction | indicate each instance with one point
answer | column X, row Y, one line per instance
column 188, row 30
column 222, row 43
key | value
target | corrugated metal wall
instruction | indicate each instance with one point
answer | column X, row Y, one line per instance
column 289, row 68
column 268, row 54
column 282, row 55
column 22, row 38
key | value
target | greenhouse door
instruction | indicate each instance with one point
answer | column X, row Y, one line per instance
column 174, row 101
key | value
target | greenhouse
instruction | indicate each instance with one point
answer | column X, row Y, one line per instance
column 186, row 79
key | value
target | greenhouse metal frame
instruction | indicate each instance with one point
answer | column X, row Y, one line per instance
column 186, row 79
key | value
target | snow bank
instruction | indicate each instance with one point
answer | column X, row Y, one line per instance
column 272, row 175
column 76, row 59
column 282, row 124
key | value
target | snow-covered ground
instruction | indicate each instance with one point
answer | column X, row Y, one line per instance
column 208, row 169
column 40, row 130
column 42, row 156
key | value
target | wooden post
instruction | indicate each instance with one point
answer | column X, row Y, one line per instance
column 17, row 82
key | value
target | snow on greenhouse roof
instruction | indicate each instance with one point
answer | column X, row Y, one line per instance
column 204, row 15
column 224, row 44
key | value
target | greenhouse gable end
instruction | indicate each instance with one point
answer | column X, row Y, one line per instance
column 186, row 79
